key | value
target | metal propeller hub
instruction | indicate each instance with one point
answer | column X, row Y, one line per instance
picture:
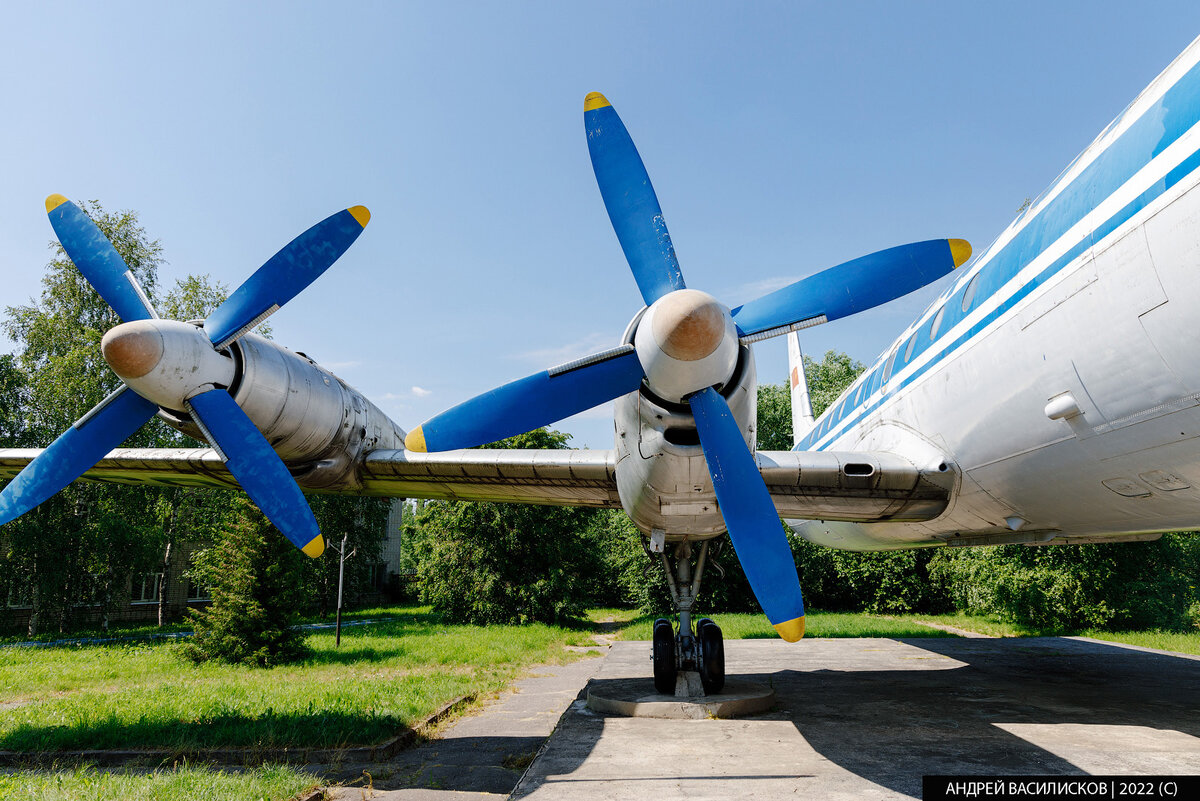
column 165, row 361
column 685, row 342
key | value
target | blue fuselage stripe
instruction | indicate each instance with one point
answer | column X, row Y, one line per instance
column 1160, row 126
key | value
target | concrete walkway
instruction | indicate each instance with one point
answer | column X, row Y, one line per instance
column 866, row 718
column 476, row 757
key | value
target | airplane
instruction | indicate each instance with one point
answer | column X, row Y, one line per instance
column 1049, row 396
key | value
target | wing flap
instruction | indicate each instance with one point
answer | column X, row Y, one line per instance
column 548, row 476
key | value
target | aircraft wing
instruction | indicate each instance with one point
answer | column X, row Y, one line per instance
column 556, row 477
column 815, row 485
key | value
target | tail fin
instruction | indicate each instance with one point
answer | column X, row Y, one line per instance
column 802, row 415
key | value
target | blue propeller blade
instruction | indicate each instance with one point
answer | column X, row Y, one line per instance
column 77, row 449
column 750, row 515
column 285, row 275
column 98, row 260
column 630, row 200
column 256, row 466
column 853, row 286
column 530, row 402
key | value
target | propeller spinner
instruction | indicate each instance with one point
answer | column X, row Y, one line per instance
column 685, row 348
column 183, row 368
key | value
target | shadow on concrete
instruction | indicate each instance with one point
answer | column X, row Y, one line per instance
column 890, row 711
column 465, row 764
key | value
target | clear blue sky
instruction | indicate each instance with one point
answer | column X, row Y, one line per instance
column 781, row 138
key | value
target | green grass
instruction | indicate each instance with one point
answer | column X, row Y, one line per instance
column 817, row 624
column 1184, row 643
column 984, row 625
column 1179, row 642
column 384, row 677
column 149, row 630
column 190, row 782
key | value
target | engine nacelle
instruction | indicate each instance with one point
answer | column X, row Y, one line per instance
column 676, row 494
column 319, row 425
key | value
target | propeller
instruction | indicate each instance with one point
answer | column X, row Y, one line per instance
column 174, row 365
column 684, row 348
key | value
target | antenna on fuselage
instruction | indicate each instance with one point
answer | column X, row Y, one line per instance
column 802, row 414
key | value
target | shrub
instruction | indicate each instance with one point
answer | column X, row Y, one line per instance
column 256, row 580
column 1144, row 585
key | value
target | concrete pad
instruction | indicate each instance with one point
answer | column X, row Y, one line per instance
column 866, row 719
column 636, row 698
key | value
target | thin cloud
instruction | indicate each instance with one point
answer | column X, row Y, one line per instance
column 548, row 357
column 421, row 392
column 743, row 293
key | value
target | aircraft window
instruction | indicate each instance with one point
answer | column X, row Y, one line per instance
column 969, row 294
column 937, row 323
column 887, row 370
column 908, row 351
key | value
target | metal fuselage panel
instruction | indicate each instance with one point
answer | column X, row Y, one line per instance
column 1067, row 388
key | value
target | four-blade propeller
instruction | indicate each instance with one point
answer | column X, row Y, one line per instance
column 685, row 347
column 146, row 353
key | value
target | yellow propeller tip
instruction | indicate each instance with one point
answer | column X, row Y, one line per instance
column 595, row 100
column 315, row 547
column 361, row 214
column 415, row 441
column 54, row 201
column 960, row 251
column 791, row 630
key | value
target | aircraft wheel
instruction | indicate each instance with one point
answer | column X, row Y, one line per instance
column 665, row 668
column 712, row 656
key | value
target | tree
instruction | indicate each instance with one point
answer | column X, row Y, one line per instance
column 256, row 579
column 363, row 521
column 505, row 563
column 14, row 393
column 1134, row 585
column 774, row 432
column 883, row 581
column 828, row 378
column 80, row 543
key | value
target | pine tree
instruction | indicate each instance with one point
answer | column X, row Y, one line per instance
column 255, row 578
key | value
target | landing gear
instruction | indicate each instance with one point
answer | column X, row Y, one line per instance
column 700, row 653
column 712, row 656
column 666, row 669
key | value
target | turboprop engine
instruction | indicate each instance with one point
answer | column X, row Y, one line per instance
column 683, row 356
column 317, row 423
column 255, row 403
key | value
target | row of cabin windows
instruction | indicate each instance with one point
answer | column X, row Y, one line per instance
column 874, row 380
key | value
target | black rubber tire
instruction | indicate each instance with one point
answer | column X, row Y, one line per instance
column 665, row 669
column 712, row 657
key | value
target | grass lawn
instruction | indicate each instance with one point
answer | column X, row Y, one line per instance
column 384, row 676
column 188, row 782
column 1180, row 642
column 816, row 624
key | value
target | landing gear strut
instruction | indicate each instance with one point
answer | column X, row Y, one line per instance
column 701, row 652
